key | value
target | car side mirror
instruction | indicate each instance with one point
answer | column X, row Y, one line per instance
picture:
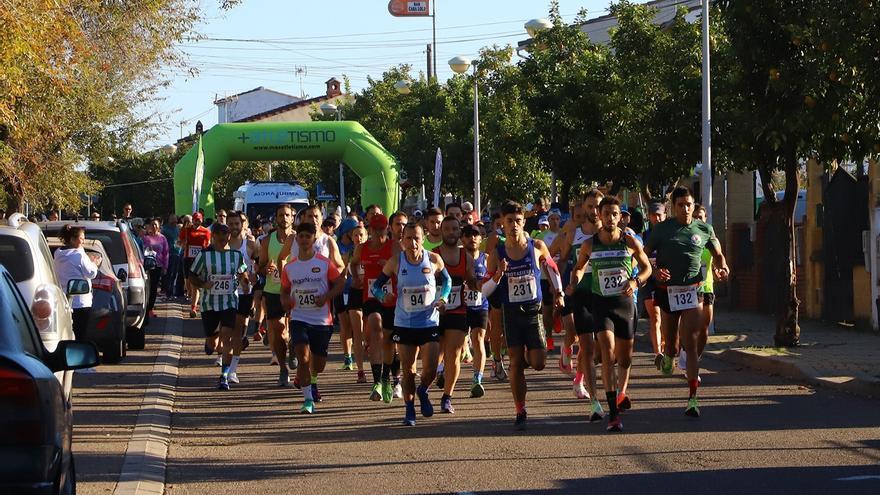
column 122, row 275
column 73, row 355
column 77, row 287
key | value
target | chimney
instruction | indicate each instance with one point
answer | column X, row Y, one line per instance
column 333, row 87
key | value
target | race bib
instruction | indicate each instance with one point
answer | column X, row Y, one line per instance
column 387, row 287
column 521, row 289
column 193, row 251
column 418, row 298
column 612, row 281
column 221, row 285
column 473, row 298
column 305, row 298
column 682, row 297
column 274, row 275
column 454, row 298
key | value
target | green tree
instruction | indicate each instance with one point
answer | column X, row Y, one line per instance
column 794, row 89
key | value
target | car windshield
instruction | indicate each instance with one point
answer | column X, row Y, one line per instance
column 111, row 239
column 16, row 256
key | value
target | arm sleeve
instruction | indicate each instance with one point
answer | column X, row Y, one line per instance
column 377, row 289
column 445, row 284
column 332, row 271
column 285, row 280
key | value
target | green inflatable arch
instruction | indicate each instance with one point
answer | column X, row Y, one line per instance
column 344, row 141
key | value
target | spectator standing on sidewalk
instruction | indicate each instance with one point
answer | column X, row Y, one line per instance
column 155, row 246
column 171, row 231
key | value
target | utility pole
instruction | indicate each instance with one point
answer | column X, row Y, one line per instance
column 430, row 62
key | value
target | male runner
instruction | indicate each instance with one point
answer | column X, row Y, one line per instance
column 611, row 253
column 270, row 248
column 309, row 283
column 238, row 224
column 193, row 240
column 515, row 268
column 496, row 326
column 355, row 303
column 416, row 317
column 352, row 350
column 453, row 317
column 708, row 290
column 366, row 266
column 433, row 218
column 217, row 271
column 656, row 214
column 679, row 242
column 564, row 250
column 477, row 307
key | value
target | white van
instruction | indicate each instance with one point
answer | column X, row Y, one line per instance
column 261, row 198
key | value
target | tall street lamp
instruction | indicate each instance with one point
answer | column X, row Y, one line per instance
column 329, row 109
column 460, row 65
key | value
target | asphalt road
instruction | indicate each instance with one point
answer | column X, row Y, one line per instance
column 757, row 434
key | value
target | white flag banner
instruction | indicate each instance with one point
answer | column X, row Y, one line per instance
column 438, row 171
column 197, row 178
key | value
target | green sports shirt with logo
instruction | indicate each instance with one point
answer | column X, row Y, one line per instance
column 612, row 266
column 680, row 249
column 220, row 269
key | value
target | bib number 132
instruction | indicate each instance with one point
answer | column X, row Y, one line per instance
column 682, row 298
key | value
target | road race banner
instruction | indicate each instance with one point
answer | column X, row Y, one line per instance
column 197, row 180
column 409, row 8
column 438, row 171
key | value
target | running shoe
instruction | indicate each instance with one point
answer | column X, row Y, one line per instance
column 291, row 359
column 153, row 314
column 565, row 364
column 623, row 402
column 218, row 361
column 658, row 361
column 446, row 405
column 283, row 377
column 398, row 390
column 274, row 360
column 580, row 392
column 551, row 345
column 387, row 391
column 362, row 377
column 477, row 390
column 346, row 364
column 682, row 361
column 192, row 313
column 614, row 425
column 265, row 337
column 520, row 422
column 596, row 412
column 693, row 409
column 208, row 350
column 425, row 402
column 233, row 377
column 410, row 418
column 666, row 366
column 296, row 383
column 466, row 356
column 258, row 337
column 308, row 407
column 316, row 394
column 500, row 372
column 376, row 394
column 224, row 383
column 245, row 342
column 494, row 373
column 441, row 379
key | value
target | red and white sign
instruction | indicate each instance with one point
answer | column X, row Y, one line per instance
column 409, row 8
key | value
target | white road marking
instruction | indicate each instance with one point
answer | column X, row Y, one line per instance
column 860, row 478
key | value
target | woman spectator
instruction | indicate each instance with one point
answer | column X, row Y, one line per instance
column 171, row 231
column 71, row 262
column 156, row 243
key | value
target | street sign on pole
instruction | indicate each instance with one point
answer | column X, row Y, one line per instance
column 409, row 8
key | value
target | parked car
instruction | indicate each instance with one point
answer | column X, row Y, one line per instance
column 107, row 318
column 128, row 265
column 36, row 418
column 25, row 254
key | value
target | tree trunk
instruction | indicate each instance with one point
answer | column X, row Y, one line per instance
column 14, row 197
column 787, row 328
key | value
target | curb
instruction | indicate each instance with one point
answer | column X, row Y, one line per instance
column 789, row 368
column 143, row 469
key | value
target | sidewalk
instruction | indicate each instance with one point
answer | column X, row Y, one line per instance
column 829, row 355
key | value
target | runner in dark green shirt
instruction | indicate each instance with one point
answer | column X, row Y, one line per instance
column 679, row 242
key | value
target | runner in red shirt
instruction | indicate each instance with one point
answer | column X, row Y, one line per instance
column 193, row 239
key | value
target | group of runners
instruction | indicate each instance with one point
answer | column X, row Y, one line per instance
column 414, row 298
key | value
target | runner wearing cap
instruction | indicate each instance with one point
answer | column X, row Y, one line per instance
column 193, row 239
column 309, row 283
column 217, row 271
column 469, row 217
column 366, row 266
column 352, row 349
column 477, row 307
column 679, row 243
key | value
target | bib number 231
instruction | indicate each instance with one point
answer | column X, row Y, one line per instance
column 682, row 298
column 521, row 289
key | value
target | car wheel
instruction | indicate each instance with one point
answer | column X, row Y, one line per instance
column 114, row 353
column 135, row 338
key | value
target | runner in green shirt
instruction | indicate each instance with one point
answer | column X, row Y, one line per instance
column 217, row 272
column 679, row 242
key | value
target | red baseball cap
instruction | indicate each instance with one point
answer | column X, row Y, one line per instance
column 379, row 221
column 198, row 216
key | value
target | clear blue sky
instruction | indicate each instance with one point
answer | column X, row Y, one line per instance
column 357, row 38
